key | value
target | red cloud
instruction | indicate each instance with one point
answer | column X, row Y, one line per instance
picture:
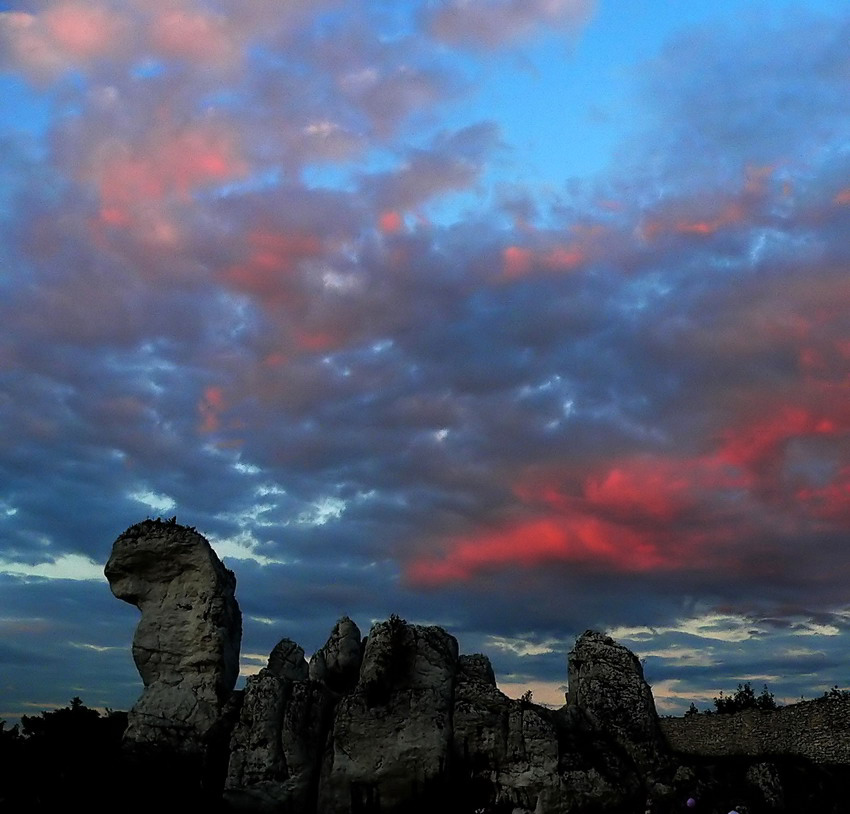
column 273, row 258
column 761, row 443
column 830, row 502
column 580, row 539
column 210, row 408
column 641, row 514
column 135, row 182
column 655, row 512
column 390, row 222
column 518, row 261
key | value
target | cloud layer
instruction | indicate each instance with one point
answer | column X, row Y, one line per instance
column 261, row 272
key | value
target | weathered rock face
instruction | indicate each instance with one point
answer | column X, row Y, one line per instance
column 606, row 680
column 520, row 756
column 337, row 664
column 504, row 752
column 276, row 748
column 402, row 707
column 186, row 646
column 286, row 661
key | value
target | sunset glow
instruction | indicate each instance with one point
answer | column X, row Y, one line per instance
column 518, row 317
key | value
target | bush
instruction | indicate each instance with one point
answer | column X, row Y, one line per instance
column 745, row 698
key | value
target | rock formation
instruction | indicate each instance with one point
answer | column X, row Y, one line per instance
column 402, row 707
column 399, row 721
column 337, row 664
column 606, row 680
column 515, row 755
column 276, row 747
column 186, row 646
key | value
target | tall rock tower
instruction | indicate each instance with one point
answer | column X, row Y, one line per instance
column 186, row 645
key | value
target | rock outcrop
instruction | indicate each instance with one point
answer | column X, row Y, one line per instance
column 337, row 664
column 186, row 645
column 402, row 707
column 399, row 721
column 277, row 745
column 606, row 681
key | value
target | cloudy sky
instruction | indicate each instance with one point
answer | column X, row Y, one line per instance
column 519, row 317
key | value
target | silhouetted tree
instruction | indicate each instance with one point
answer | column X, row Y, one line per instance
column 61, row 755
column 745, row 698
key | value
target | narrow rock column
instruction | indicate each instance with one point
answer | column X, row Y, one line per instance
column 186, row 645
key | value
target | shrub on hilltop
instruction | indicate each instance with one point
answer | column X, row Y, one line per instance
column 744, row 698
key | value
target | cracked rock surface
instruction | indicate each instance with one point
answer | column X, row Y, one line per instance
column 186, row 645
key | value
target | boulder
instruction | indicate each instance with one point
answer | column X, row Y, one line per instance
column 186, row 645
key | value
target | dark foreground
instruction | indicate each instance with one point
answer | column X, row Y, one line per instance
column 74, row 756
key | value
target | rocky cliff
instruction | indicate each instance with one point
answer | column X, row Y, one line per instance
column 399, row 720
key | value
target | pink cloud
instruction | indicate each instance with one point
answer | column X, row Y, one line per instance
column 704, row 216
column 273, row 257
column 493, row 23
column 210, row 408
column 390, row 222
column 65, row 35
column 195, row 35
column 83, row 30
column 519, row 261
column 136, row 181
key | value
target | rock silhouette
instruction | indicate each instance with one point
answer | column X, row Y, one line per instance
column 399, row 720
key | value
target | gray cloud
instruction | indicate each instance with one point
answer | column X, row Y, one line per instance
column 198, row 322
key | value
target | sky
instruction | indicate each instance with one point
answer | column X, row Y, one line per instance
column 518, row 317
